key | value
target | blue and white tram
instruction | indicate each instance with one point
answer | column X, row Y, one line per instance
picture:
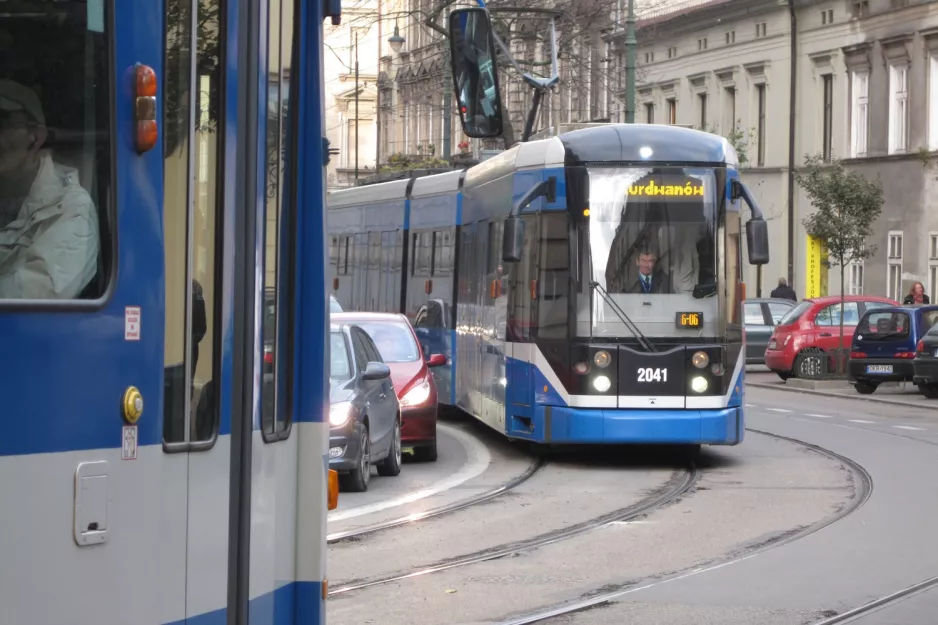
column 598, row 276
column 161, row 225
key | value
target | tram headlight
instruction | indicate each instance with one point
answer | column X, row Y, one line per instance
column 602, row 359
column 700, row 360
column 339, row 413
column 699, row 384
column 601, row 383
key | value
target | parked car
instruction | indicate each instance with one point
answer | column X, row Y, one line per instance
column 885, row 343
column 410, row 373
column 364, row 414
column 334, row 305
column 925, row 364
column 812, row 328
column 760, row 316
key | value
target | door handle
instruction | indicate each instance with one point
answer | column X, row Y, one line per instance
column 826, row 334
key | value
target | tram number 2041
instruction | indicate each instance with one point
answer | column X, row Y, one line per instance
column 652, row 374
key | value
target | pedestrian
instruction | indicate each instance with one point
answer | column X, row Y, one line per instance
column 916, row 295
column 783, row 291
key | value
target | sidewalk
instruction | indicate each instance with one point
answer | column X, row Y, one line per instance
column 897, row 395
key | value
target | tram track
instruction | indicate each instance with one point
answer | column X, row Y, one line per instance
column 864, row 488
column 883, row 602
column 410, row 519
column 679, row 484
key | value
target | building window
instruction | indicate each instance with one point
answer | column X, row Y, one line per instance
column 702, row 44
column 828, row 113
column 827, row 17
column 731, row 37
column 702, row 104
column 672, row 111
column 861, row 9
column 933, row 102
column 760, row 127
column 894, row 264
column 854, row 273
column 933, row 267
column 729, row 109
column 650, row 112
column 898, row 108
column 860, row 106
column 760, row 30
column 672, row 52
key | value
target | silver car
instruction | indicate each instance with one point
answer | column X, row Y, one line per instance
column 364, row 413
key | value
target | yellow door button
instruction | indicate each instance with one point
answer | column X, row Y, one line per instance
column 133, row 404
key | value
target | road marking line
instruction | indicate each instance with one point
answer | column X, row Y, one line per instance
column 819, row 416
column 860, row 421
column 478, row 460
column 908, row 427
column 778, row 410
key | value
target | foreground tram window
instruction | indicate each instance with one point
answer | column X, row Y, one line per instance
column 279, row 227
column 55, row 155
column 191, row 224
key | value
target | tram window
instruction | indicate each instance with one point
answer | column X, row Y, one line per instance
column 191, row 220
column 55, row 155
column 279, row 226
column 553, row 276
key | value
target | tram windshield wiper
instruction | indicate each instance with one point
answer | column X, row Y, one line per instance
column 643, row 341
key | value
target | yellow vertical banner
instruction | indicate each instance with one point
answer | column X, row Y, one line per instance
column 824, row 272
column 812, row 282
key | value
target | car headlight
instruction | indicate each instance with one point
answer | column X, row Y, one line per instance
column 339, row 413
column 417, row 395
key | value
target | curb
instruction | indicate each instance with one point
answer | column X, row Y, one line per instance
column 858, row 397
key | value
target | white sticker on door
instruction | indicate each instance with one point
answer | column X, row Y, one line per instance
column 129, row 445
column 132, row 323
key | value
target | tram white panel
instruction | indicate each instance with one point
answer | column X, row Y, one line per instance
column 638, row 401
column 113, row 582
column 174, row 514
column 368, row 194
column 313, row 446
column 273, row 514
column 543, row 154
column 209, row 486
column 426, row 186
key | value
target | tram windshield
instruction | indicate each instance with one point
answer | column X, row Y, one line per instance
column 651, row 238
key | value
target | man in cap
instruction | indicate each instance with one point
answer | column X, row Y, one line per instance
column 48, row 223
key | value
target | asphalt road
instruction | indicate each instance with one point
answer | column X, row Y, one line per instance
column 884, row 546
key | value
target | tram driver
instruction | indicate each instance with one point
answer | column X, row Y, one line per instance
column 48, row 222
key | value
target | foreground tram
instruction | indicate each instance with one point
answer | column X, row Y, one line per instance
column 161, row 226
column 587, row 288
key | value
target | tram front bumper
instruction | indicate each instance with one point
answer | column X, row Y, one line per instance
column 720, row 426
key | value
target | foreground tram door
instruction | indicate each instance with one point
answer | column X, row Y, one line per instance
column 159, row 460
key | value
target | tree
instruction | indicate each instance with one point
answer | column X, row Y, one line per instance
column 846, row 206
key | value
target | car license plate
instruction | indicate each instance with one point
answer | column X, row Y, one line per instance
column 879, row 368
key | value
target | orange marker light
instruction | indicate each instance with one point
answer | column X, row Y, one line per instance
column 145, row 109
column 333, row 489
column 586, row 212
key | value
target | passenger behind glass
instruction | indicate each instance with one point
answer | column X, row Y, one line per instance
column 48, row 222
column 650, row 278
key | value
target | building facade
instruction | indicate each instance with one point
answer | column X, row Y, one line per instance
column 864, row 84
column 351, row 100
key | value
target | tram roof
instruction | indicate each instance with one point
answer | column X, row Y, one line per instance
column 632, row 142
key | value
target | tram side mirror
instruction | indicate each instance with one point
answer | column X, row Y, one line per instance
column 513, row 240
column 757, row 241
column 475, row 75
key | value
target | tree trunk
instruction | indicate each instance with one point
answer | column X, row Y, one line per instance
column 841, row 361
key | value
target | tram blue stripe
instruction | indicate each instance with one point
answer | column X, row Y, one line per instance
column 296, row 603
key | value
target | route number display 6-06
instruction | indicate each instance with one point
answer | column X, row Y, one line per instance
column 652, row 374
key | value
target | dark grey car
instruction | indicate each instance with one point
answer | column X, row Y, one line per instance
column 760, row 317
column 364, row 413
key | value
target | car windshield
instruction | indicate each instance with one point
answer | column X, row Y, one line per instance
column 393, row 338
column 340, row 368
column 794, row 314
column 885, row 325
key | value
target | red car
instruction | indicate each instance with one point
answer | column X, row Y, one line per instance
column 814, row 326
column 410, row 374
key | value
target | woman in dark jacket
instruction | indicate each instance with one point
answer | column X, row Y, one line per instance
column 916, row 295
